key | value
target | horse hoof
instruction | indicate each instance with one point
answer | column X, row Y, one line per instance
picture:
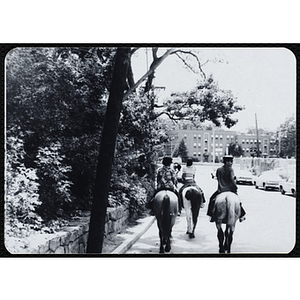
column 191, row 235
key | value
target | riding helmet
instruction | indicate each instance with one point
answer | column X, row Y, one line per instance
column 227, row 157
column 167, row 160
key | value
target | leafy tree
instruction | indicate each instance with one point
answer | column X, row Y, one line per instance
column 54, row 188
column 205, row 102
column 206, row 95
column 287, row 136
column 74, row 97
column 22, row 197
column 182, row 150
column 261, row 131
column 106, row 153
column 235, row 149
column 57, row 95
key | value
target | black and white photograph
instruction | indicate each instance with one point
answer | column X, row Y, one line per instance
column 103, row 103
column 135, row 150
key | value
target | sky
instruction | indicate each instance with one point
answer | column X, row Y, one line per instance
column 263, row 80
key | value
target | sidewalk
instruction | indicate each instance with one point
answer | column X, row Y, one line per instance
column 133, row 234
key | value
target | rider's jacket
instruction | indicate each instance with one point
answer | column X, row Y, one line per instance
column 226, row 182
column 166, row 178
column 188, row 174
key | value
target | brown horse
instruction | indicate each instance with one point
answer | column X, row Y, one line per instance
column 165, row 207
column 192, row 200
column 227, row 210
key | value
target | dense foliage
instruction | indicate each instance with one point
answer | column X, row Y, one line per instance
column 22, row 197
column 205, row 102
column 235, row 149
column 56, row 100
column 181, row 151
column 286, row 138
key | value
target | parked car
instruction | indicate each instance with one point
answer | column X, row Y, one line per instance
column 243, row 176
column 288, row 186
column 268, row 180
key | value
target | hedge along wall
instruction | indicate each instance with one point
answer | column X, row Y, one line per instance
column 71, row 239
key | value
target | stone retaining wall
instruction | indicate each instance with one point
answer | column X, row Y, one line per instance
column 71, row 239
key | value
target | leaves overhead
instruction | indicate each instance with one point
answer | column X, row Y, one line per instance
column 205, row 102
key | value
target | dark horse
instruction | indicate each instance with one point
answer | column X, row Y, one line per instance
column 192, row 200
column 165, row 207
column 227, row 210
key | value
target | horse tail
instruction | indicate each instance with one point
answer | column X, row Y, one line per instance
column 166, row 215
column 196, row 199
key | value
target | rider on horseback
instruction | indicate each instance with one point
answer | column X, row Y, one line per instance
column 188, row 178
column 226, row 183
column 166, row 179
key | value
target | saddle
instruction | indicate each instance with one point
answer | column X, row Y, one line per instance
column 166, row 189
column 193, row 184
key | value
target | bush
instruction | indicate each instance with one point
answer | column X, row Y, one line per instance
column 54, row 187
column 22, row 196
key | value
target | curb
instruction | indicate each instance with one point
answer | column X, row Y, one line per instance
column 126, row 245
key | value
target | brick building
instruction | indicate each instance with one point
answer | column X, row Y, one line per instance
column 200, row 143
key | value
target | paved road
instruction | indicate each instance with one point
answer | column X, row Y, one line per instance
column 269, row 227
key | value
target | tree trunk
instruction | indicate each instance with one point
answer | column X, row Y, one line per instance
column 106, row 154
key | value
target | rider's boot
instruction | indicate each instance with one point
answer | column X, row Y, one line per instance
column 149, row 205
column 242, row 217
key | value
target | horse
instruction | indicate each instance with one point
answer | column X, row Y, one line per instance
column 227, row 210
column 192, row 201
column 165, row 208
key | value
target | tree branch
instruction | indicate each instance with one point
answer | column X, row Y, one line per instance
column 151, row 70
column 192, row 54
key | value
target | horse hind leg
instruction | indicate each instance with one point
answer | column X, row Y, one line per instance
column 168, row 245
column 228, row 239
column 161, row 248
column 195, row 207
column 192, row 234
column 221, row 239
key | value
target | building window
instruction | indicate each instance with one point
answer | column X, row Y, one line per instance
column 199, row 145
column 195, row 145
